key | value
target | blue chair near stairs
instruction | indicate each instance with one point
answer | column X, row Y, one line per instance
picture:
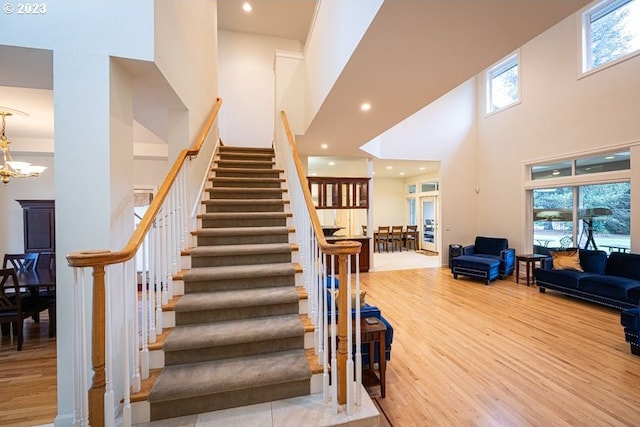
column 368, row 311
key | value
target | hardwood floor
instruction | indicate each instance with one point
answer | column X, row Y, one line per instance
column 28, row 394
column 463, row 354
column 468, row 354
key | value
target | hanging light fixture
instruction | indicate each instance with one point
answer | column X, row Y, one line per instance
column 9, row 167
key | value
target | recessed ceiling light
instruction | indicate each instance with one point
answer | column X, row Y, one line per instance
column 247, row 7
column 373, row 173
column 332, row 163
column 389, row 168
column 365, row 106
column 422, row 168
column 324, row 146
column 401, row 173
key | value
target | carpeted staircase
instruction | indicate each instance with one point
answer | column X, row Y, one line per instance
column 238, row 336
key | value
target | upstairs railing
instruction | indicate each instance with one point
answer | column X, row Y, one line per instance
column 322, row 264
column 121, row 321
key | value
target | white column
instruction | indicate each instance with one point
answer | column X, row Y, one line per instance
column 93, row 184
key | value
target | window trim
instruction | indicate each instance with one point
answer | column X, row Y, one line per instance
column 495, row 70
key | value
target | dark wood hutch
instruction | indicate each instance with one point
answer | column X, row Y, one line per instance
column 343, row 193
column 39, row 229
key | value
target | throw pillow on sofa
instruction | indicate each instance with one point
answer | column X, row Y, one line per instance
column 566, row 260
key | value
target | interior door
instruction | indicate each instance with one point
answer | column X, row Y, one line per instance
column 429, row 224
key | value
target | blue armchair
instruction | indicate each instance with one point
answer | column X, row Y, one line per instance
column 630, row 319
column 494, row 248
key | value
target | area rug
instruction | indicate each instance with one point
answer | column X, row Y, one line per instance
column 405, row 260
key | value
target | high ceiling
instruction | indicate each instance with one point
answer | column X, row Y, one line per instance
column 412, row 53
column 289, row 19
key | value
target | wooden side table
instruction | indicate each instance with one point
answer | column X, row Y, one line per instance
column 372, row 334
column 530, row 261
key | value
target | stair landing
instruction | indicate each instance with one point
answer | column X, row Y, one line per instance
column 307, row 410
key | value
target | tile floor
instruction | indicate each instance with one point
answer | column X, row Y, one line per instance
column 404, row 260
column 298, row 411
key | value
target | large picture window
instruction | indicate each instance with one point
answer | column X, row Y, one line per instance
column 611, row 31
column 596, row 216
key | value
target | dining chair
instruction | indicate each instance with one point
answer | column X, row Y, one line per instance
column 411, row 237
column 21, row 262
column 396, row 237
column 382, row 238
column 27, row 263
column 11, row 309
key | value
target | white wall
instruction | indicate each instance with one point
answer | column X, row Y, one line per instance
column 389, row 203
column 339, row 27
column 63, row 22
column 185, row 51
column 247, row 86
column 559, row 114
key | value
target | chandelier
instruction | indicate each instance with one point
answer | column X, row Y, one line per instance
column 9, row 167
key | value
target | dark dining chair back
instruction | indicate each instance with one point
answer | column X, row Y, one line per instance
column 21, row 262
column 11, row 312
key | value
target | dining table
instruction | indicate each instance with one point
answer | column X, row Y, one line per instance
column 41, row 283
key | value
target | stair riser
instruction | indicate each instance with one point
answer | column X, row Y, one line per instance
column 249, row 259
column 237, row 350
column 244, row 283
column 255, row 222
column 242, row 397
column 225, row 149
column 218, row 193
column 242, row 240
column 246, row 184
column 257, row 207
column 266, row 157
column 255, row 173
column 193, row 317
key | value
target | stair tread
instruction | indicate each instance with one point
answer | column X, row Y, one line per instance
column 245, row 179
column 230, row 299
column 234, row 332
column 244, row 202
column 216, row 376
column 243, row 249
column 245, row 271
column 245, row 189
column 245, row 170
column 242, row 231
column 247, row 215
column 245, row 149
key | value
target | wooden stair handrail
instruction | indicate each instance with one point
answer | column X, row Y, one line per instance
column 96, row 258
column 341, row 249
column 345, row 247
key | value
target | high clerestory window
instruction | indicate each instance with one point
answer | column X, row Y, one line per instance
column 610, row 32
column 503, row 84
